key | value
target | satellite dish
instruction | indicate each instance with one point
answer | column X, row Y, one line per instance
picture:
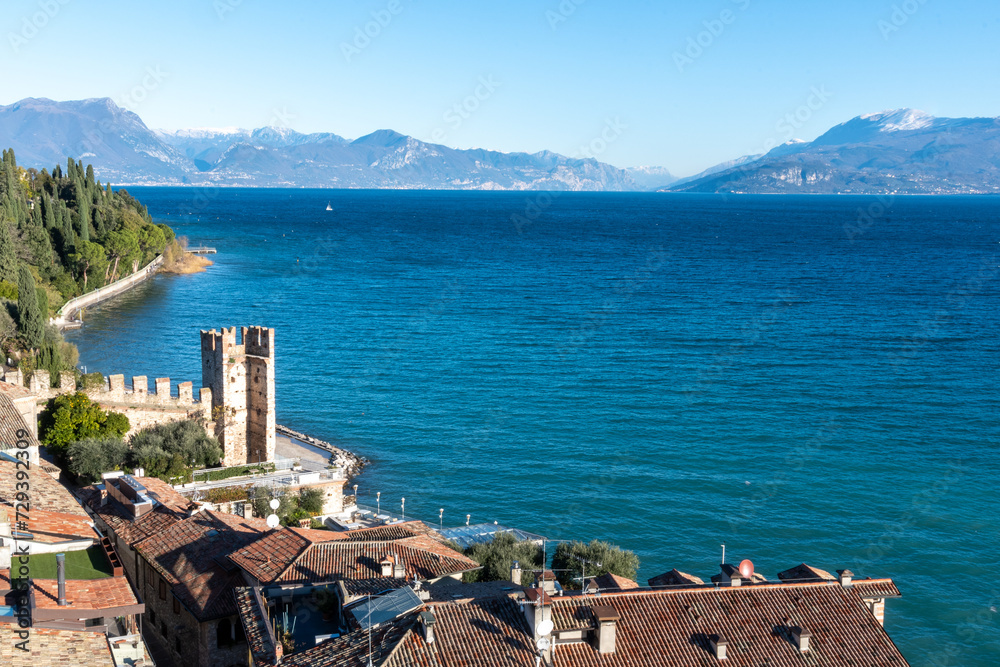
column 545, row 627
column 273, row 521
column 275, row 503
column 746, row 569
column 542, row 644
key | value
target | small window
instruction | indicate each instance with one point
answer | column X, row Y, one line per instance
column 163, row 629
column 177, row 644
column 152, row 616
column 177, row 605
column 163, row 589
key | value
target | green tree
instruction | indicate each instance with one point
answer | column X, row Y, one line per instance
column 159, row 449
column 29, row 317
column 8, row 327
column 572, row 559
column 43, row 302
column 71, row 417
column 498, row 556
column 8, row 255
column 90, row 457
column 89, row 261
column 310, row 500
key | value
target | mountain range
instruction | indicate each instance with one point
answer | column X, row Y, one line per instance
column 896, row 152
column 901, row 151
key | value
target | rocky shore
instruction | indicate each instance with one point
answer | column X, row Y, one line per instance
column 350, row 462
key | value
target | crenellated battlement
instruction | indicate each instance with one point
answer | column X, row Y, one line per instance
column 257, row 341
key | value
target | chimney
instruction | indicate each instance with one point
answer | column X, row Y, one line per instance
column 719, row 646
column 398, row 567
column 515, row 573
column 61, row 574
column 607, row 620
column 801, row 638
column 845, row 577
column 427, row 622
column 387, row 568
column 538, row 611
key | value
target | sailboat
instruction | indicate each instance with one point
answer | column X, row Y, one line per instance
column 329, row 207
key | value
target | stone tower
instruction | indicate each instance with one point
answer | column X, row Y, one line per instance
column 242, row 381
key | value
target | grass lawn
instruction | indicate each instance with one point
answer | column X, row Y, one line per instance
column 89, row 564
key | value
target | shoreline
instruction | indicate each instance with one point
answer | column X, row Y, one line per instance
column 352, row 463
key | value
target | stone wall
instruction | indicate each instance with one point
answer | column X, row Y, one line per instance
column 142, row 407
column 241, row 377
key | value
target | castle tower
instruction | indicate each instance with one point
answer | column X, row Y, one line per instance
column 241, row 378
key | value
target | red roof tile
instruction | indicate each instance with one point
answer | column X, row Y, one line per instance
column 90, row 594
column 55, row 647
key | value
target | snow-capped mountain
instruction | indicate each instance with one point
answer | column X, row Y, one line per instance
column 902, row 151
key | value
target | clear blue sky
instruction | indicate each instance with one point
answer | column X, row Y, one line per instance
column 250, row 63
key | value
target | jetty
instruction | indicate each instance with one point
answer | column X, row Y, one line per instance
column 202, row 250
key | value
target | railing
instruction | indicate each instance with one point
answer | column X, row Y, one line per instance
column 65, row 314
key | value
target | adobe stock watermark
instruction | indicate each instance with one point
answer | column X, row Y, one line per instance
column 899, row 17
column 365, row 34
column 223, row 7
column 698, row 44
column 138, row 94
column 535, row 206
column 33, row 24
column 796, row 120
column 561, row 14
column 462, row 111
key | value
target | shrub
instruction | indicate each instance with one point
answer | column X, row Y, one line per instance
column 499, row 555
column 165, row 449
column 72, row 417
column 597, row 558
column 90, row 457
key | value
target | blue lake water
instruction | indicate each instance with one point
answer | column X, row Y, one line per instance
column 803, row 378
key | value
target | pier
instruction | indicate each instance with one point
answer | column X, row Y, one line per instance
column 201, row 250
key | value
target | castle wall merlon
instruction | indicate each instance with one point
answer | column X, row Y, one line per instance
column 185, row 393
column 140, row 387
column 162, row 390
column 116, row 388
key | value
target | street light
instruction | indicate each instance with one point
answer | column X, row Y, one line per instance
column 403, row 505
column 378, row 503
column 355, row 494
column 441, row 519
column 467, row 517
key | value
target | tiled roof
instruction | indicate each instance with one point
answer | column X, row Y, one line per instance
column 396, row 531
column 92, row 594
column 351, row 650
column 15, row 391
column 127, row 528
column 45, row 491
column 54, row 527
column 255, row 626
column 612, row 582
column 165, row 494
column 805, row 572
column 423, row 558
column 675, row 578
column 11, row 422
column 876, row 588
column 55, row 647
column 487, row 633
column 265, row 559
column 191, row 556
column 756, row 621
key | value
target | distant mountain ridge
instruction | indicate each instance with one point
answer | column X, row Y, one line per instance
column 902, row 151
column 123, row 150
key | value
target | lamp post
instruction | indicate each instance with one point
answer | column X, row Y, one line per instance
column 403, row 507
column 355, row 495
column 467, row 517
column 441, row 519
column 378, row 503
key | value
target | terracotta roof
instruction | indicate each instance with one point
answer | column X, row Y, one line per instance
column 45, row 491
column 91, row 594
column 12, row 426
column 265, row 559
column 675, row 578
column 255, row 626
column 756, row 621
column 396, row 531
column 165, row 494
column 423, row 557
column 54, row 527
column 351, row 650
column 876, row 588
column 805, row 572
column 612, row 582
column 55, row 647
column 192, row 556
column 127, row 528
column 14, row 391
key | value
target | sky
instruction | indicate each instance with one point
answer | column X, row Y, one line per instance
column 683, row 85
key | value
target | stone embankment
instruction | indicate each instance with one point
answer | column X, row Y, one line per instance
column 350, row 462
column 65, row 317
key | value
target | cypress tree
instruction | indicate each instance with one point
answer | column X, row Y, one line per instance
column 84, row 231
column 43, row 303
column 8, row 255
column 48, row 213
column 29, row 317
column 90, row 176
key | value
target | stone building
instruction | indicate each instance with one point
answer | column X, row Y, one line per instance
column 241, row 379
